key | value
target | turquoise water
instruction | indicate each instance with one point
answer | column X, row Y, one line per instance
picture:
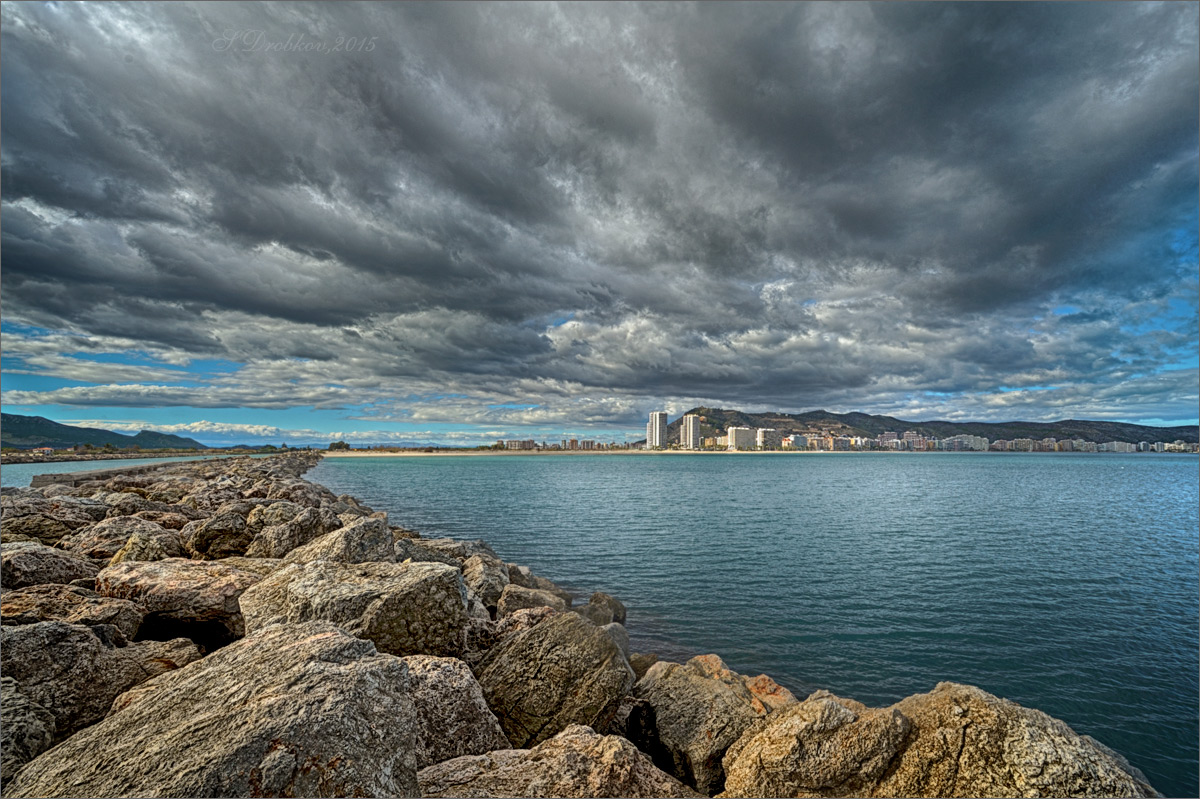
column 1066, row 582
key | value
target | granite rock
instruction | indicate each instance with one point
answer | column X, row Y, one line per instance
column 563, row 671
column 404, row 608
column 291, row 710
column 577, row 762
column 24, row 563
column 71, row 604
column 454, row 718
column 514, row 598
column 363, row 541
column 27, row 731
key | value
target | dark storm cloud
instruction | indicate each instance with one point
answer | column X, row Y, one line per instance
column 784, row 204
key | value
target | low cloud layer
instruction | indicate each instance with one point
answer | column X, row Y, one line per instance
column 946, row 210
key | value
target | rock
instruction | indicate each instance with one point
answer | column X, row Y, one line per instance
column 216, row 537
column 310, row 524
column 611, row 603
column 363, row 541
column 408, row 549
column 27, row 512
column 301, row 492
column 272, row 514
column 563, row 671
column 577, row 762
column 454, row 718
column 53, row 602
column 25, row 563
column 641, row 663
column 139, row 547
column 291, row 710
column 127, row 503
column 260, row 566
column 543, row 584
column 74, row 672
column 967, row 742
column 520, row 575
column 459, row 550
column 168, row 519
column 487, row 577
column 27, row 731
column 701, row 709
column 189, row 598
column 404, row 608
column 598, row 615
column 824, row 746
column 514, row 598
column 104, row 539
column 524, row 619
column 619, row 635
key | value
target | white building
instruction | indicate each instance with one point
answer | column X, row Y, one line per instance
column 689, row 432
column 768, row 438
column 656, row 430
column 741, row 437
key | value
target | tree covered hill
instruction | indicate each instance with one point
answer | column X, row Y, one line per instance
column 868, row 426
column 27, row 432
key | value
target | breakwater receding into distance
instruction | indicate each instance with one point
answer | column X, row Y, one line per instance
column 231, row 629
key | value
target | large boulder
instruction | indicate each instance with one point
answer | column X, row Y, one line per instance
column 291, row 710
column 576, row 762
column 105, row 539
column 29, row 514
column 454, row 718
column 27, row 731
column 219, row 536
column 71, row 604
column 25, row 563
column 75, row 672
column 309, row 524
column 359, row 542
column 824, row 746
column 139, row 547
column 487, row 577
column 967, row 742
column 191, row 598
column 404, row 608
column 701, row 708
column 564, row 671
column 272, row 514
column 515, row 597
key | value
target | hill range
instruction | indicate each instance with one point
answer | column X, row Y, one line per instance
column 27, row 432
column 715, row 420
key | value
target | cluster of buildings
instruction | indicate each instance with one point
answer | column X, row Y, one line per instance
column 766, row 438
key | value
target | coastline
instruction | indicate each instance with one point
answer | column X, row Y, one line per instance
column 677, row 728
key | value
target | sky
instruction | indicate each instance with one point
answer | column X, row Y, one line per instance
column 458, row 222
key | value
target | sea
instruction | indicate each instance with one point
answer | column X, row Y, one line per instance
column 1067, row 582
column 1064, row 582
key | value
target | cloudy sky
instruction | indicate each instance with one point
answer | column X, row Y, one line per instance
column 456, row 222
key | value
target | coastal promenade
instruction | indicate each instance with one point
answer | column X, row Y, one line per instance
column 228, row 628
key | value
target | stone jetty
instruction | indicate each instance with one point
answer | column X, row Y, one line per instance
column 227, row 628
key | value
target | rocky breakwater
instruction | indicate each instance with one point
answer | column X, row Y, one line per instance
column 230, row 629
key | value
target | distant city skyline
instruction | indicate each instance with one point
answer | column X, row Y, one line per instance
column 544, row 221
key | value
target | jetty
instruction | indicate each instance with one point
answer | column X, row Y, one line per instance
column 228, row 628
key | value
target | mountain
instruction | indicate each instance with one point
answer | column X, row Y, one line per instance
column 27, row 432
column 715, row 420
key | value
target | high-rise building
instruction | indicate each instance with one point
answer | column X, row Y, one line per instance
column 768, row 438
column 689, row 432
column 656, row 430
column 741, row 437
